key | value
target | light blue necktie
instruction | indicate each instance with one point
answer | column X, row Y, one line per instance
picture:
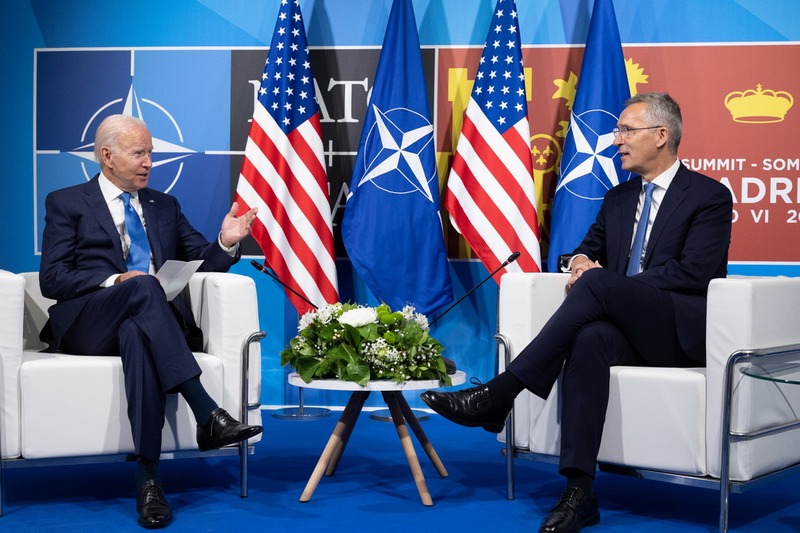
column 637, row 250
column 139, row 252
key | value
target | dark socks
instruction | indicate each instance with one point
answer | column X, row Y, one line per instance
column 198, row 399
column 578, row 478
column 145, row 471
column 503, row 389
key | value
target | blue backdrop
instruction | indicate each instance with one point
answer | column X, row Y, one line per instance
column 230, row 24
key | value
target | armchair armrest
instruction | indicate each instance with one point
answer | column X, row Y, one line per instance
column 225, row 307
column 12, row 306
column 749, row 313
column 526, row 302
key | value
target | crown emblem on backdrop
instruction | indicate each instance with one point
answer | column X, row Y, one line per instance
column 762, row 106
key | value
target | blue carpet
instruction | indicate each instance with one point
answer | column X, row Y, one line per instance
column 372, row 490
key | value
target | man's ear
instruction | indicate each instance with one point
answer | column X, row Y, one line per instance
column 663, row 137
column 105, row 156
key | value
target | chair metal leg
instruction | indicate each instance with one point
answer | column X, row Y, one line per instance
column 245, row 383
column 726, row 437
column 502, row 340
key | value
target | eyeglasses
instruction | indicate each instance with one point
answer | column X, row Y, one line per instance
column 625, row 132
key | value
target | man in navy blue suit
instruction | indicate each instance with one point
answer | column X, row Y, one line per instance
column 646, row 310
column 106, row 305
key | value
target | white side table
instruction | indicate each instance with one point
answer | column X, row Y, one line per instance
column 401, row 414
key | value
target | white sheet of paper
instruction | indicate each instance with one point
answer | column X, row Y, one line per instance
column 174, row 275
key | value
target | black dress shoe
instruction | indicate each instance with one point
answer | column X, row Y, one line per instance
column 152, row 505
column 575, row 509
column 469, row 407
column 222, row 429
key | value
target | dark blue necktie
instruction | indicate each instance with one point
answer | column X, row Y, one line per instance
column 637, row 250
column 139, row 252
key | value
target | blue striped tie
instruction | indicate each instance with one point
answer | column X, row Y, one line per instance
column 637, row 250
column 139, row 252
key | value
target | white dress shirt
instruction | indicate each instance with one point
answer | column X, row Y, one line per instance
column 662, row 183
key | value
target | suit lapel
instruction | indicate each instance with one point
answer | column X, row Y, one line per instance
column 627, row 215
column 99, row 208
column 675, row 196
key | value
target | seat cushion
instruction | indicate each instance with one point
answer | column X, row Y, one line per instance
column 60, row 393
column 655, row 420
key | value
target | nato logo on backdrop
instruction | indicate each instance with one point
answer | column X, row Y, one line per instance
column 182, row 95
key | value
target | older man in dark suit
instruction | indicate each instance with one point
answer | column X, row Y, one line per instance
column 101, row 241
column 637, row 296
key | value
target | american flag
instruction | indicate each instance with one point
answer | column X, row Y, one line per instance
column 490, row 192
column 283, row 172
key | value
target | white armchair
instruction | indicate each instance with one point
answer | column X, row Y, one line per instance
column 41, row 394
column 709, row 427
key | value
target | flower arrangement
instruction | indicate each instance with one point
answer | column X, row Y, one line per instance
column 357, row 343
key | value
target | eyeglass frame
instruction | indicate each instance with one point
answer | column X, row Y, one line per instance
column 625, row 131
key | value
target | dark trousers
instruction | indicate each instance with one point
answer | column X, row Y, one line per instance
column 134, row 320
column 607, row 319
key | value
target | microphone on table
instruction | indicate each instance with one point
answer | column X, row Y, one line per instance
column 511, row 258
column 262, row 268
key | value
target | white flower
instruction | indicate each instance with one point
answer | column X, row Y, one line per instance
column 422, row 320
column 327, row 313
column 409, row 313
column 306, row 320
column 360, row 316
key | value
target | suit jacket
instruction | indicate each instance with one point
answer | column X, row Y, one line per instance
column 81, row 248
column 687, row 248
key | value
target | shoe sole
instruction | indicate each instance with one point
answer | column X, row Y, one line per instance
column 589, row 521
column 491, row 428
column 204, row 448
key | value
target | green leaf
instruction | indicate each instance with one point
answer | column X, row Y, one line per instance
column 351, row 336
column 327, row 332
column 358, row 372
column 368, row 332
column 351, row 356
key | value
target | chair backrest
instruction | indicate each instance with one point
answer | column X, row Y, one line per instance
column 36, row 315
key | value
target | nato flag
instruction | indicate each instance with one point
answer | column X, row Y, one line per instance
column 590, row 165
column 392, row 228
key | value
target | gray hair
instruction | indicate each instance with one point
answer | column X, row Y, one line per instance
column 662, row 110
column 111, row 129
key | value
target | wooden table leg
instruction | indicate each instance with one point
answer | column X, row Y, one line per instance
column 345, row 436
column 408, row 447
column 421, row 436
column 343, row 426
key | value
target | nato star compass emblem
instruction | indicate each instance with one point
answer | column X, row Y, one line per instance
column 164, row 152
column 591, row 162
column 396, row 152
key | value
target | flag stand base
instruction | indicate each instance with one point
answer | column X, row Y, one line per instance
column 383, row 415
column 301, row 412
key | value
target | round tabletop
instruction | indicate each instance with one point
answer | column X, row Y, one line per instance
column 375, row 385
